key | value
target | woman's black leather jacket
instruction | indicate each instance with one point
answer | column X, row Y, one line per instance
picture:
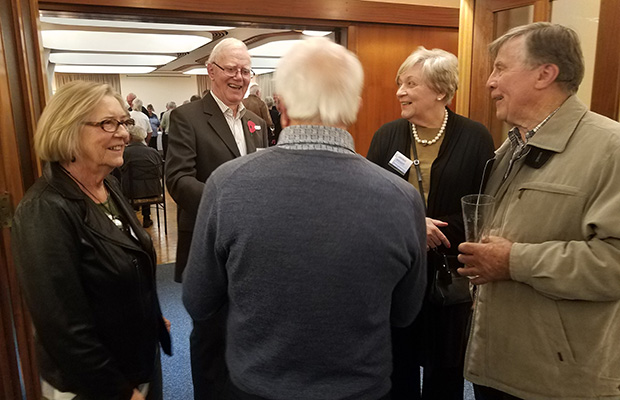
column 90, row 289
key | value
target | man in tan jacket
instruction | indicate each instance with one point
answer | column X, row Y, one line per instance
column 546, row 321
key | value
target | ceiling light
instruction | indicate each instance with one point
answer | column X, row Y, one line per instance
column 110, row 59
column 121, row 42
column 131, row 24
column 260, row 71
column 273, row 49
column 316, row 33
column 264, row 62
column 197, row 71
column 102, row 69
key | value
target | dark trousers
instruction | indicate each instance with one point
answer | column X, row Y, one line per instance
column 231, row 392
column 153, row 142
column 146, row 212
column 164, row 144
column 207, row 350
column 406, row 364
column 488, row 393
column 439, row 382
column 443, row 383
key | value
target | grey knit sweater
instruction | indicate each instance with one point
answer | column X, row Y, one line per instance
column 316, row 252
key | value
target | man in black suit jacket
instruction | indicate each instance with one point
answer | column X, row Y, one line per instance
column 204, row 135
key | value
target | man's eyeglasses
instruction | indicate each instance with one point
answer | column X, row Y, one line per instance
column 111, row 125
column 232, row 71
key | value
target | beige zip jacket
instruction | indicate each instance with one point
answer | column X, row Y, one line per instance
column 553, row 331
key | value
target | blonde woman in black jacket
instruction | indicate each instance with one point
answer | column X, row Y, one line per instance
column 452, row 151
column 86, row 266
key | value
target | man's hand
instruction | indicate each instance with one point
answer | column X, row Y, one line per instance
column 136, row 395
column 487, row 261
column 434, row 237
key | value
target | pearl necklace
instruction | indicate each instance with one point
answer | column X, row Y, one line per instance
column 425, row 142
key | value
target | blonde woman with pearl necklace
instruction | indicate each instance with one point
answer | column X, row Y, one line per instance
column 443, row 155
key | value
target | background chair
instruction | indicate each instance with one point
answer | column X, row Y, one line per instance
column 143, row 183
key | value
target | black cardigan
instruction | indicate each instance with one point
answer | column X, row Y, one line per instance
column 456, row 172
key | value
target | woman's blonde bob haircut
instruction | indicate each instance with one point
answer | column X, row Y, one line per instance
column 440, row 69
column 57, row 135
column 321, row 82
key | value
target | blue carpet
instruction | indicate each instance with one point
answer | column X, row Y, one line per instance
column 176, row 370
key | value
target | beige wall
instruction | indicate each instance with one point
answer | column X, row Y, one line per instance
column 582, row 16
column 159, row 90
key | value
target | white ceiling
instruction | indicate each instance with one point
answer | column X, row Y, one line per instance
column 112, row 44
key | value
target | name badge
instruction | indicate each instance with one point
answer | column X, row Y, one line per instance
column 400, row 163
column 257, row 127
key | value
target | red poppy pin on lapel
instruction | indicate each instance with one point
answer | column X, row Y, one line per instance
column 251, row 127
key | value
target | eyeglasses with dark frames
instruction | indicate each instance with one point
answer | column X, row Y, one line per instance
column 111, row 125
column 232, row 71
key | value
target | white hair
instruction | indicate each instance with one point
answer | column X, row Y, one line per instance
column 228, row 43
column 137, row 133
column 137, row 104
column 319, row 80
column 254, row 88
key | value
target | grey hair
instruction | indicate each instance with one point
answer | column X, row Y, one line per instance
column 320, row 81
column 137, row 104
column 254, row 88
column 440, row 70
column 547, row 43
column 225, row 44
column 137, row 133
column 172, row 104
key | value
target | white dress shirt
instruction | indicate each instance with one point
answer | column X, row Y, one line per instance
column 234, row 122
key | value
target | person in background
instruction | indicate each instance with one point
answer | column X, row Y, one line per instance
column 452, row 152
column 309, row 315
column 154, row 125
column 255, row 104
column 275, row 118
column 546, row 322
column 141, row 120
column 165, row 125
column 137, row 151
column 205, row 134
column 130, row 98
column 90, row 287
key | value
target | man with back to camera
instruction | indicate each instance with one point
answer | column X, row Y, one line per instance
column 138, row 152
column 547, row 314
column 308, row 317
column 205, row 134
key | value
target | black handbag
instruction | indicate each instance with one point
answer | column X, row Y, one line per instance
column 448, row 287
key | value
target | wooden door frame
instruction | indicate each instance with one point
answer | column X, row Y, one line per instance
column 22, row 97
column 606, row 83
column 477, row 27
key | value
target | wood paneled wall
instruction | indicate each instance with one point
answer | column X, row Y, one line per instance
column 606, row 84
column 381, row 50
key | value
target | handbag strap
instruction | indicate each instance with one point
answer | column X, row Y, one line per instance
column 418, row 170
